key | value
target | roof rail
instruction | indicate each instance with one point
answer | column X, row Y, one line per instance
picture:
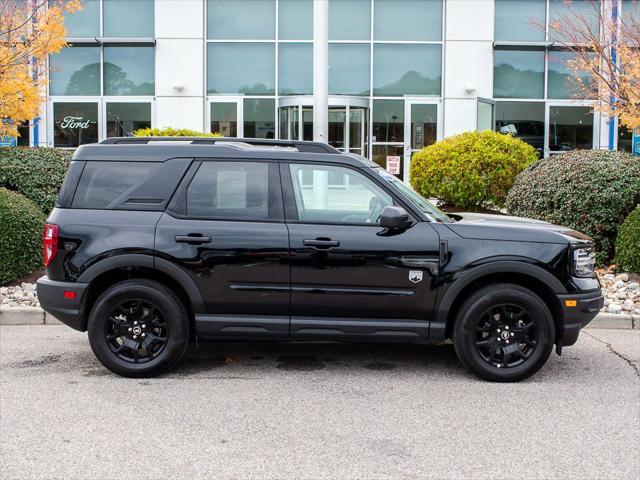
column 301, row 146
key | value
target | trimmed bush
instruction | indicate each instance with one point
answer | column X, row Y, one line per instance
column 172, row 132
column 36, row 173
column 591, row 191
column 21, row 225
column 472, row 171
column 628, row 243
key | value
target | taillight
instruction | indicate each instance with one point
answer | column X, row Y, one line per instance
column 49, row 243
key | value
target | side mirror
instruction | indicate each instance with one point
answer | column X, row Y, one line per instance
column 394, row 218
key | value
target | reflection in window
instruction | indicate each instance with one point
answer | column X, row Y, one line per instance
column 349, row 19
column 520, row 20
column 349, row 69
column 224, row 118
column 561, row 81
column 130, row 18
column 129, row 71
column 75, row 123
column 387, row 157
column 241, row 68
column 388, row 121
column 75, row 71
column 407, row 69
column 123, row 119
column 518, row 73
column 570, row 128
column 246, row 19
column 295, row 68
column 407, row 20
column 523, row 120
column 85, row 22
column 259, row 118
column 295, row 19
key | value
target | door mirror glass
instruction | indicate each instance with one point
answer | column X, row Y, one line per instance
column 394, row 218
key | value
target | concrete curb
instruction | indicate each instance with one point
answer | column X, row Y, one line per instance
column 37, row 316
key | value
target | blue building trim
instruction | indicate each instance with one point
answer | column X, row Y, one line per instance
column 613, row 121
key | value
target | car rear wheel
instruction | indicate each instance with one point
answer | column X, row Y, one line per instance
column 503, row 333
column 138, row 328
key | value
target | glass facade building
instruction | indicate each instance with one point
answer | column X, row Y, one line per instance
column 402, row 74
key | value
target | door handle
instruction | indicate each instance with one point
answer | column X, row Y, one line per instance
column 194, row 239
column 321, row 243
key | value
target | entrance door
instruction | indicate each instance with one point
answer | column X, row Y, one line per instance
column 226, row 117
column 569, row 127
column 421, row 128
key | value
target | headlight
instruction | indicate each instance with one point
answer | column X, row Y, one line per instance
column 584, row 261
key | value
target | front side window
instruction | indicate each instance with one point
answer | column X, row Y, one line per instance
column 230, row 191
column 337, row 195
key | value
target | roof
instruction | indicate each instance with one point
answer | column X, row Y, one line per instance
column 159, row 149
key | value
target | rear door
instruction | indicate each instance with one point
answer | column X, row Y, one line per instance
column 226, row 228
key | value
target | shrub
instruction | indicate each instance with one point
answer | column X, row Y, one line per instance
column 628, row 243
column 591, row 191
column 471, row 171
column 172, row 132
column 36, row 173
column 21, row 225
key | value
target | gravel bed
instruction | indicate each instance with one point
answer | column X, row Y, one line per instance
column 622, row 293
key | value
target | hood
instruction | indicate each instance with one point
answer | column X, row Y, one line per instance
column 485, row 226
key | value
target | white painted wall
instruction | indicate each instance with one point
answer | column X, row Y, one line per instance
column 180, row 112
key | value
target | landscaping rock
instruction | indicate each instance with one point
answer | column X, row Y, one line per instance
column 23, row 295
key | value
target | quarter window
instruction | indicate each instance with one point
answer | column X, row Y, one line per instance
column 337, row 195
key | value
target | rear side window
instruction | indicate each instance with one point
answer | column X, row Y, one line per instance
column 235, row 191
column 128, row 185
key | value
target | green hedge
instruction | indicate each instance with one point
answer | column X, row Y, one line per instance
column 628, row 243
column 591, row 191
column 21, row 225
column 172, row 132
column 36, row 173
column 471, row 171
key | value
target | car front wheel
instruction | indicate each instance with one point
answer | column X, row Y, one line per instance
column 503, row 333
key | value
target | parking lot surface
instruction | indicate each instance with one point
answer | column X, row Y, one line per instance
column 311, row 411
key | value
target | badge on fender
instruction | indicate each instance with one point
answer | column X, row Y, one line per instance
column 415, row 276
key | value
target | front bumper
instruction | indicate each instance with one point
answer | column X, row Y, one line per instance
column 578, row 310
column 51, row 295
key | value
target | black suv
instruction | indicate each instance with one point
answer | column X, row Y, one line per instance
column 156, row 243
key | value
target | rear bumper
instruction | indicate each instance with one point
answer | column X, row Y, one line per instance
column 587, row 306
column 52, row 300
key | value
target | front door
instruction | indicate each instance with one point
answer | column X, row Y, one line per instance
column 226, row 230
column 421, row 129
column 348, row 276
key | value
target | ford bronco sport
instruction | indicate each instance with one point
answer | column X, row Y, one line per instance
column 154, row 244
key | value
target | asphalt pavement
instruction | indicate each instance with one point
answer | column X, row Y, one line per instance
column 313, row 411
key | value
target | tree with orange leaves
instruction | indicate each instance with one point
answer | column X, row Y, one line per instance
column 29, row 31
column 606, row 55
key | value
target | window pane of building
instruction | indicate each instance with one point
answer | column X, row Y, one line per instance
column 388, row 121
column 630, row 12
column 349, row 19
column 75, row 71
column 247, row 19
column 407, row 69
column 295, row 68
column 349, row 69
column 424, row 125
column 129, row 71
column 259, row 118
column 381, row 152
column 241, row 68
column 520, row 20
column 570, row 128
column 625, row 139
column 130, row 18
column 407, row 20
column 123, row 119
column 518, row 73
column 523, row 120
column 224, row 118
column 295, row 19
column 561, row 81
column 75, row 123
column 85, row 22
column 560, row 10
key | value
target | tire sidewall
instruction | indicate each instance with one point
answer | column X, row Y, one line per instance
column 468, row 320
column 172, row 311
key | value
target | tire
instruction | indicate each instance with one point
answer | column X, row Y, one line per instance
column 148, row 309
column 503, row 333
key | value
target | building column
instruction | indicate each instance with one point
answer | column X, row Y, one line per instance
column 320, row 70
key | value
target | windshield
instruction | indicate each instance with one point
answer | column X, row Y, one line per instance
column 417, row 200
